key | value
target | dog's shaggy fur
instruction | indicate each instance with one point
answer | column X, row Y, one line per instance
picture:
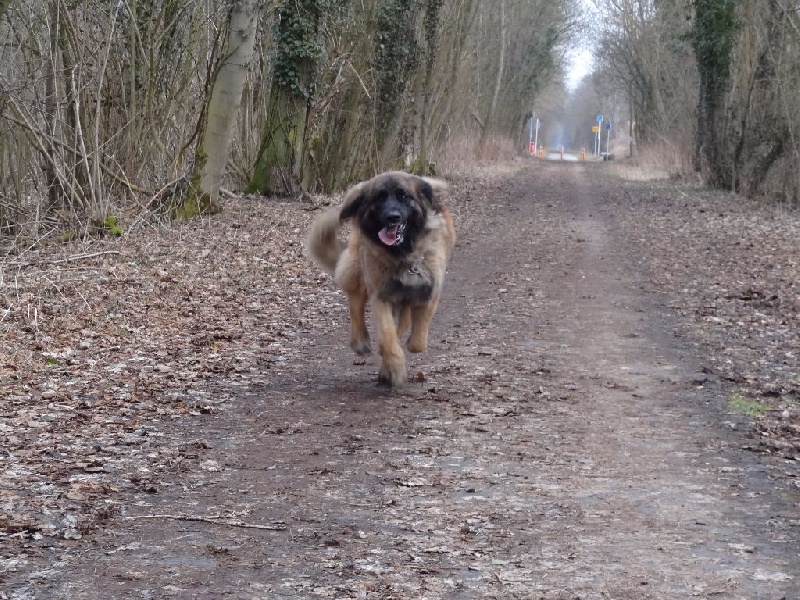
column 395, row 258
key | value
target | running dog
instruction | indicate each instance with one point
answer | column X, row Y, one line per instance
column 395, row 259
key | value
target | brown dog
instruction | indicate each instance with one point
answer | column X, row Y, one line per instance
column 395, row 258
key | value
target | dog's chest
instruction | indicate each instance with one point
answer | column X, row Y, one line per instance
column 410, row 284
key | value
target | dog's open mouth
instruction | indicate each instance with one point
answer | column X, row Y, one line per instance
column 392, row 235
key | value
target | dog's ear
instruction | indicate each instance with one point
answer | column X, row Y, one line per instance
column 353, row 200
column 432, row 190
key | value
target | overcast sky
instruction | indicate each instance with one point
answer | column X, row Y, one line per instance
column 580, row 64
column 580, row 59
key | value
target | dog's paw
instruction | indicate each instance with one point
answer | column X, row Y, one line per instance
column 392, row 376
column 417, row 344
column 361, row 347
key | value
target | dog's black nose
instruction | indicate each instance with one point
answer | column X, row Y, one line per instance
column 393, row 216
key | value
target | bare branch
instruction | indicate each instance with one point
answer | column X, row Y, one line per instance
column 215, row 520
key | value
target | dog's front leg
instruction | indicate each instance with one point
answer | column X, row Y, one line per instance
column 359, row 335
column 403, row 321
column 393, row 363
column 420, row 321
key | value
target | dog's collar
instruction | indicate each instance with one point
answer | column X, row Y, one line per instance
column 414, row 263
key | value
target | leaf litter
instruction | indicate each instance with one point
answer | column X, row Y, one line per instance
column 111, row 345
column 730, row 268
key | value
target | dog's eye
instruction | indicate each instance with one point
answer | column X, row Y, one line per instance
column 401, row 195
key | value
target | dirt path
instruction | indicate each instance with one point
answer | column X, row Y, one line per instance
column 559, row 442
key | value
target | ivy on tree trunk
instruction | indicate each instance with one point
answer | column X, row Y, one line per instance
column 712, row 36
column 299, row 48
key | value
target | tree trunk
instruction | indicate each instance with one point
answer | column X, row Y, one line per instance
column 133, row 93
column 54, row 183
column 422, row 164
column 4, row 4
column 280, row 161
column 713, row 33
column 275, row 169
column 488, row 122
column 631, row 141
column 220, row 115
column 461, row 22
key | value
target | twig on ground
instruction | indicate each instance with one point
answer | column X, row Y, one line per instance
column 84, row 256
column 64, row 260
column 215, row 520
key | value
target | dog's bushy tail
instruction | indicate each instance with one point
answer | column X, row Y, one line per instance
column 323, row 244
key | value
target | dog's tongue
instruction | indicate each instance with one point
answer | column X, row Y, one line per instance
column 388, row 235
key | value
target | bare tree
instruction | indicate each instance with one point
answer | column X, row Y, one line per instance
column 113, row 112
column 219, row 116
column 724, row 72
column 487, row 123
column 299, row 28
column 643, row 54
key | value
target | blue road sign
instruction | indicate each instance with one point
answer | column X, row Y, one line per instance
column 599, row 118
column 608, row 125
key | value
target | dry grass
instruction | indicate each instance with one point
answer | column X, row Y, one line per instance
column 652, row 162
column 464, row 154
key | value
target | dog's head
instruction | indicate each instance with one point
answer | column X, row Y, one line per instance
column 393, row 208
